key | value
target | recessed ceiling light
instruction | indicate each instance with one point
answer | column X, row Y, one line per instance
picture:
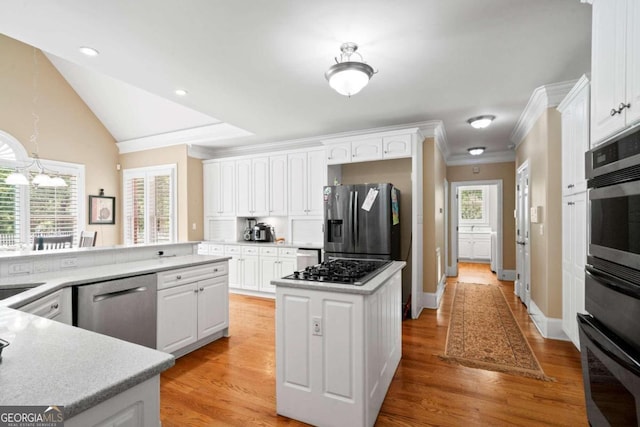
column 481, row 122
column 181, row 92
column 476, row 151
column 89, row 51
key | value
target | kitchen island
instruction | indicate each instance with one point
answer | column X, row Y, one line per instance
column 98, row 379
column 337, row 347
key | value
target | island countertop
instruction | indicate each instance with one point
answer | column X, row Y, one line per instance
column 366, row 289
column 50, row 363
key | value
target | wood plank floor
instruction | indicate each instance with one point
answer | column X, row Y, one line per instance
column 232, row 381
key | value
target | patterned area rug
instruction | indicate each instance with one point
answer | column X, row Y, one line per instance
column 484, row 334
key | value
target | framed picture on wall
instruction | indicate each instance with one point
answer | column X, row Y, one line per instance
column 102, row 210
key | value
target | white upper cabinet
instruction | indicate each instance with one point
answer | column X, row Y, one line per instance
column 372, row 147
column 278, row 185
column 615, row 67
column 219, row 188
column 575, row 137
column 307, row 177
column 252, row 181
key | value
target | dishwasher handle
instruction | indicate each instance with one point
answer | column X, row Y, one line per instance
column 108, row 295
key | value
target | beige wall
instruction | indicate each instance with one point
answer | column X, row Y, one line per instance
column 494, row 171
column 542, row 148
column 68, row 130
column 189, row 184
column 433, row 181
column 397, row 172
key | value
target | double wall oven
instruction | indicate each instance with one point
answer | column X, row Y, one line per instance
column 609, row 334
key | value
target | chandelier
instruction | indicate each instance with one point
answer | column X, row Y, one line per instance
column 347, row 76
column 42, row 179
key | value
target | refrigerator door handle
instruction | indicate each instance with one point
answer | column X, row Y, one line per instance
column 356, row 228
column 351, row 219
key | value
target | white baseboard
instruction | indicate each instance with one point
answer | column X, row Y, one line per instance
column 548, row 327
column 451, row 271
column 432, row 300
column 507, row 275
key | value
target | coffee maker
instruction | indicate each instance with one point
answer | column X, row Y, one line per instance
column 249, row 231
column 264, row 232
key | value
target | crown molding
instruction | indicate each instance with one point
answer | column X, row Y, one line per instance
column 543, row 97
column 494, row 157
column 586, row 1
column 574, row 92
column 202, row 135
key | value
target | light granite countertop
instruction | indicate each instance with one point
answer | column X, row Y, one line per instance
column 258, row 243
column 47, row 283
column 50, row 363
column 368, row 288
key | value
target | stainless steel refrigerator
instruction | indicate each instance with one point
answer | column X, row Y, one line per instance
column 362, row 221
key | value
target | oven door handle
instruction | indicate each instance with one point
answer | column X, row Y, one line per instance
column 608, row 345
column 612, row 282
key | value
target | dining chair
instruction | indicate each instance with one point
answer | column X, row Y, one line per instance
column 52, row 242
column 87, row 239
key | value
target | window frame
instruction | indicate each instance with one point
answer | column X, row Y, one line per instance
column 146, row 172
column 485, row 210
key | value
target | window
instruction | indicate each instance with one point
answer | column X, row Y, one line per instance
column 27, row 211
column 473, row 205
column 149, row 205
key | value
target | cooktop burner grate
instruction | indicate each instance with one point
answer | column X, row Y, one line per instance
column 341, row 270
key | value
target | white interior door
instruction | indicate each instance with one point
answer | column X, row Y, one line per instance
column 522, row 286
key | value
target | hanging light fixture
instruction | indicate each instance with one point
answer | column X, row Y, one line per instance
column 346, row 76
column 42, row 179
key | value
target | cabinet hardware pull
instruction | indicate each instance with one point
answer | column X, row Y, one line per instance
column 54, row 306
column 215, row 270
column 178, row 277
column 622, row 106
column 570, row 203
column 201, row 289
column 195, row 291
column 570, row 186
column 613, row 112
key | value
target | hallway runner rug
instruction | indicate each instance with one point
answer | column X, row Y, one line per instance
column 484, row 334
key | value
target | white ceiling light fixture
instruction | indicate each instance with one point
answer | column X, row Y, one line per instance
column 88, row 51
column 348, row 77
column 481, row 122
column 19, row 176
column 181, row 92
column 476, row 151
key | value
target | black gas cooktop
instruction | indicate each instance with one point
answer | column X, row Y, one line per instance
column 342, row 270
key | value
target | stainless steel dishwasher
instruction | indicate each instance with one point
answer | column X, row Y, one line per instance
column 123, row 308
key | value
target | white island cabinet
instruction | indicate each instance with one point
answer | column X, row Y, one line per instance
column 337, row 348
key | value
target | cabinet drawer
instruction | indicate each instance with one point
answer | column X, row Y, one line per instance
column 269, row 251
column 250, row 250
column 181, row 276
column 232, row 250
column 216, row 249
column 49, row 306
column 287, row 252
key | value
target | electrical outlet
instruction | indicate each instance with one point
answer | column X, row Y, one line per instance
column 316, row 325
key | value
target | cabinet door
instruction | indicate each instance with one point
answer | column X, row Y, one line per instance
column 227, row 190
column 297, row 183
column 465, row 246
column 56, row 306
column 366, row 150
column 482, row 247
column 396, row 146
column 177, row 317
column 607, row 67
column 250, row 272
column 337, row 154
column 287, row 266
column 633, row 62
column 316, row 180
column 243, row 185
column 210, row 193
column 235, row 273
column 260, row 186
column 278, row 185
column 568, row 161
column 213, row 306
column 268, row 271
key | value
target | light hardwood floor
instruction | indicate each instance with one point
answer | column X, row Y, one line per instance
column 232, row 381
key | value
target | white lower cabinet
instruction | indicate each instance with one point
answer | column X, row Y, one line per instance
column 474, row 246
column 336, row 353
column 274, row 264
column 55, row 306
column 191, row 310
column 244, row 267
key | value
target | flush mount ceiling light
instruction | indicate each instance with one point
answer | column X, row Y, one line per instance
column 476, row 151
column 181, row 92
column 346, row 76
column 89, row 51
column 481, row 122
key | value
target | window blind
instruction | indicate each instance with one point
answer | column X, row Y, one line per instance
column 149, row 205
column 9, row 211
column 54, row 210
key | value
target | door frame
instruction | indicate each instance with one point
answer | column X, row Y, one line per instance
column 522, row 284
column 453, row 269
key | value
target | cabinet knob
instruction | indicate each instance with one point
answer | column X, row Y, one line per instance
column 570, row 186
column 570, row 203
column 622, row 106
column 613, row 112
column 178, row 277
column 54, row 306
column 201, row 289
column 215, row 270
